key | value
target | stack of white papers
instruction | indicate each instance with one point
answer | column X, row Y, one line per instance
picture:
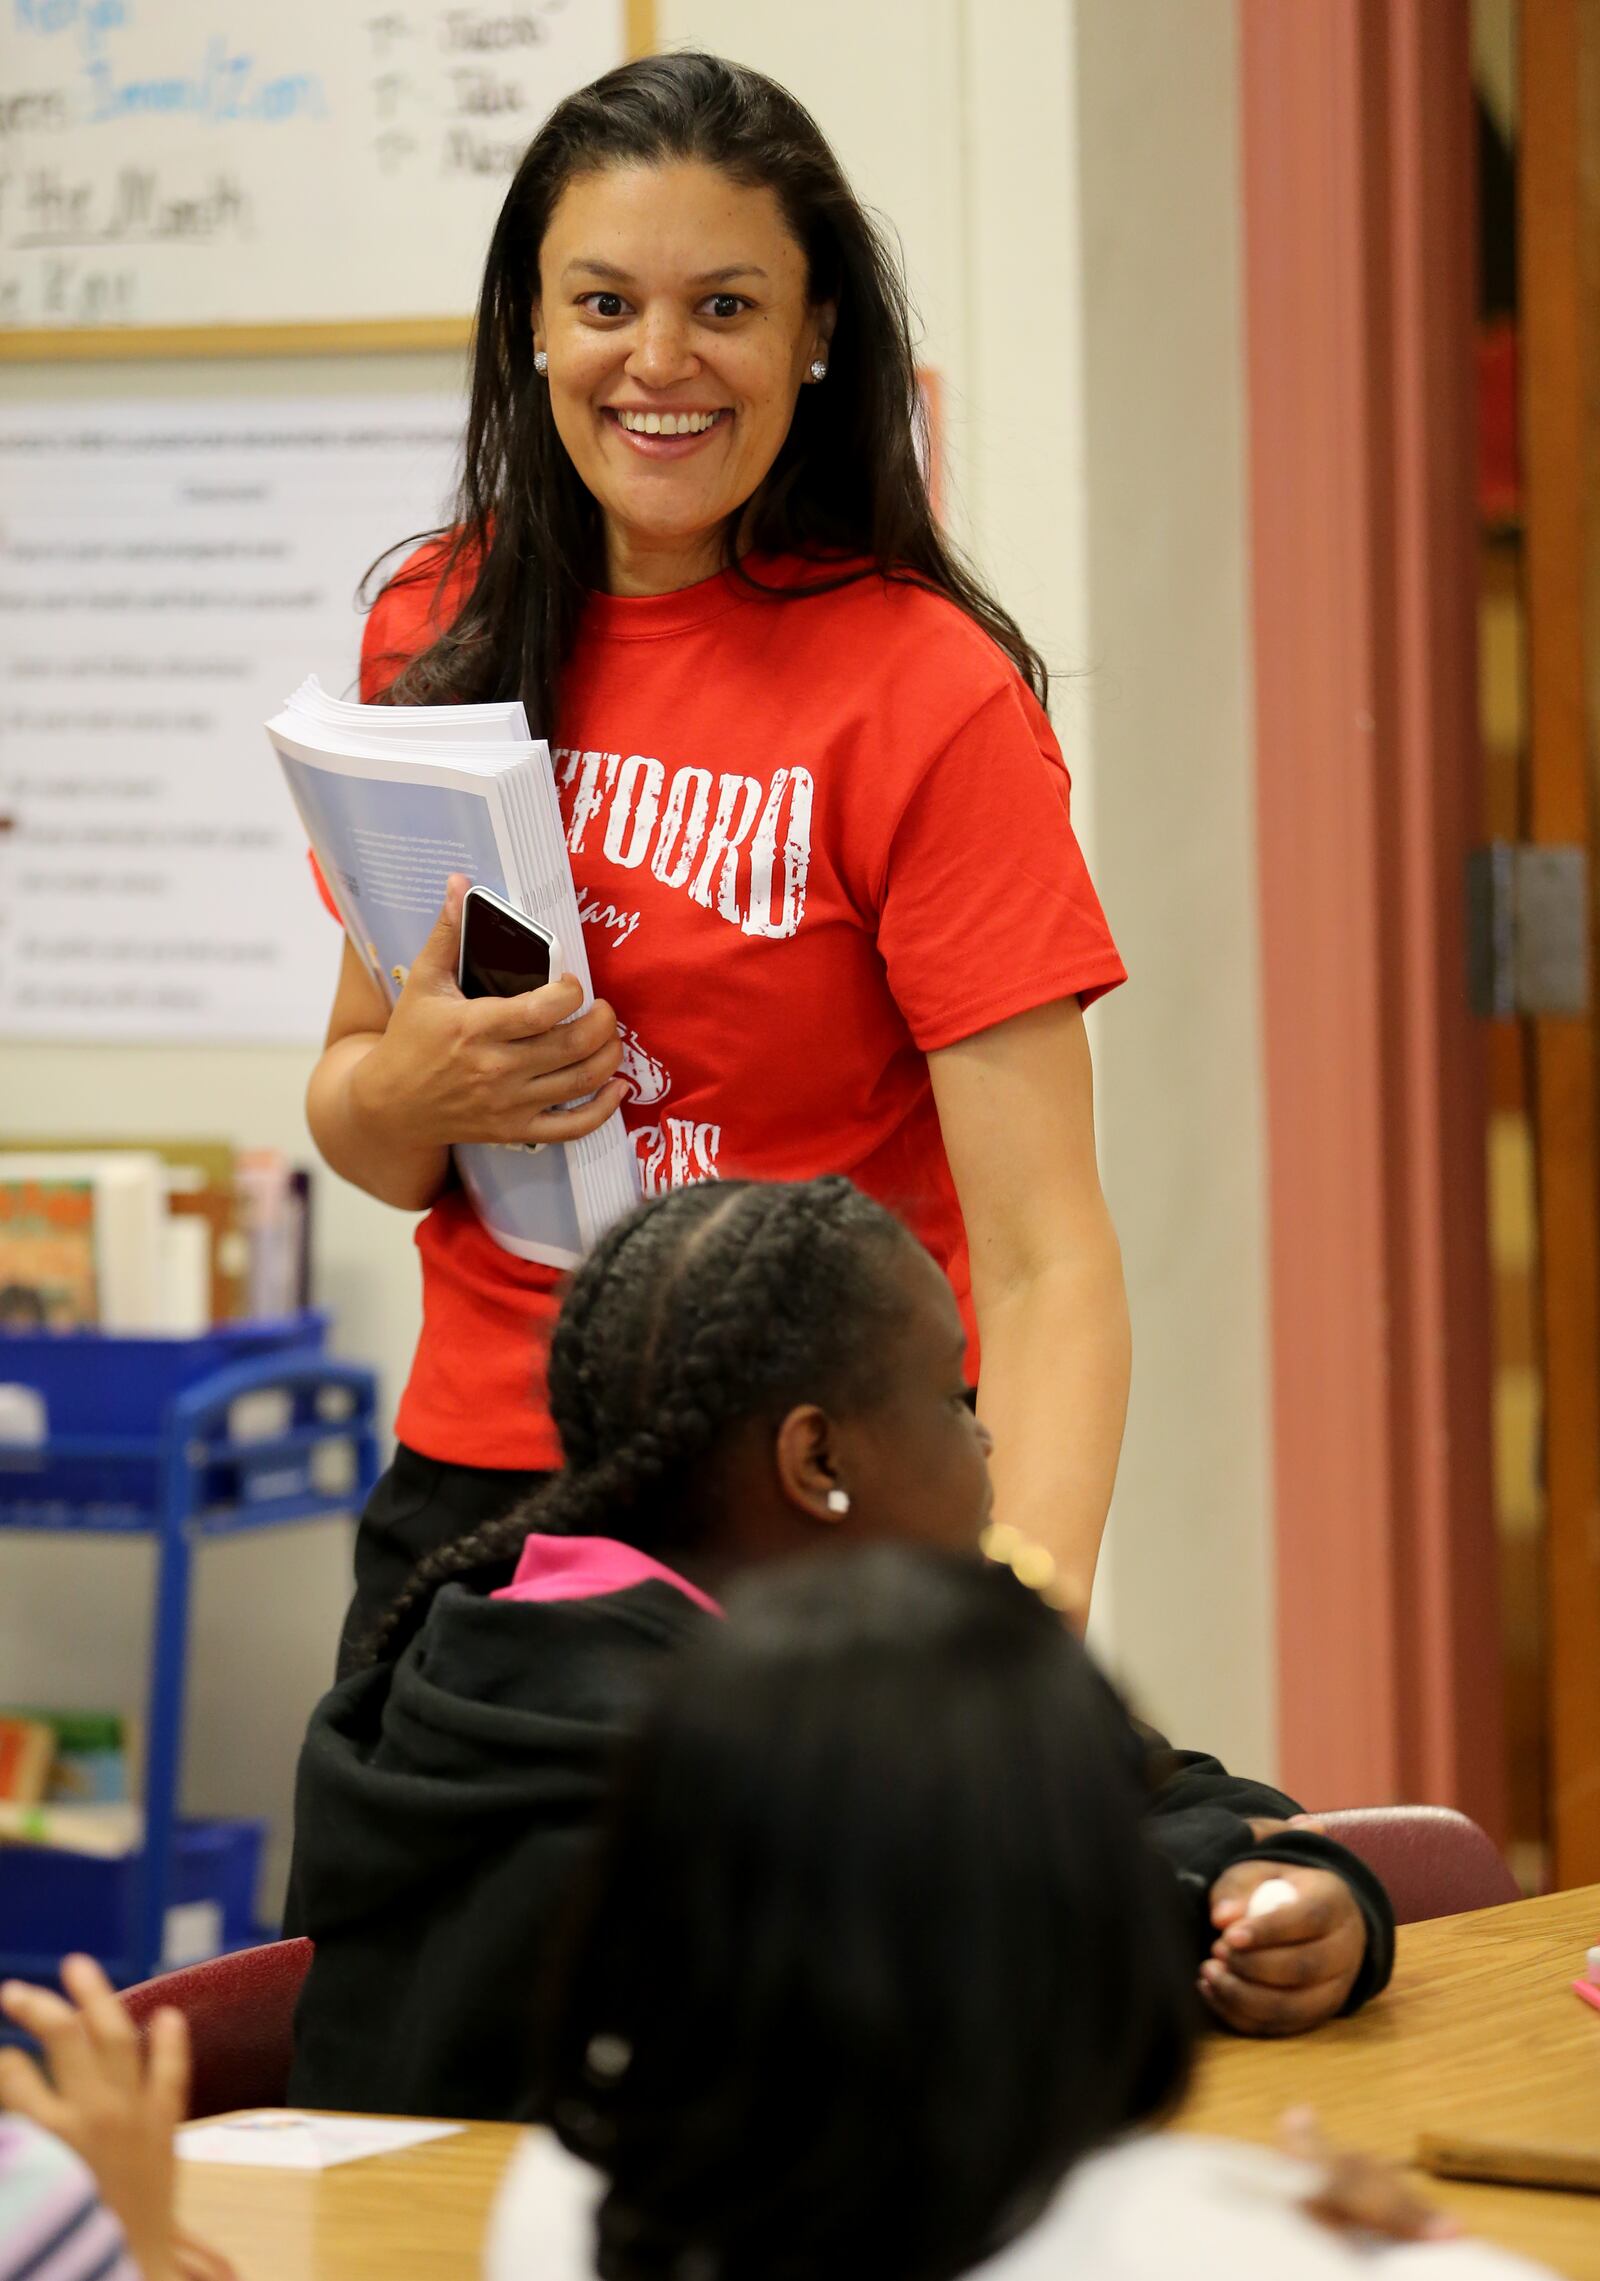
column 396, row 797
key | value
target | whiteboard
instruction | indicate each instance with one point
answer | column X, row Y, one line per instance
column 198, row 164
column 169, row 571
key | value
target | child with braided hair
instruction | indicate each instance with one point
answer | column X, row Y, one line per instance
column 716, row 1306
column 741, row 1372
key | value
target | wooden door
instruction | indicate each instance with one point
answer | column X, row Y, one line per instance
column 1357, row 133
column 1559, row 333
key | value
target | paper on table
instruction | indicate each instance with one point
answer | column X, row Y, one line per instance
column 278, row 2138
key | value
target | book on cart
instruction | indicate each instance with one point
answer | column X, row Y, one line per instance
column 394, row 798
column 27, row 1747
column 80, row 1240
column 126, row 1234
column 75, row 1789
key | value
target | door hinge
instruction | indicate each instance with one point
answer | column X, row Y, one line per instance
column 1527, row 929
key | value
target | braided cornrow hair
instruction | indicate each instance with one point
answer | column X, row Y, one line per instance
column 708, row 1306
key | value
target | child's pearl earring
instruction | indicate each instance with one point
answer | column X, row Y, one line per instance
column 838, row 1502
column 818, row 368
column 541, row 362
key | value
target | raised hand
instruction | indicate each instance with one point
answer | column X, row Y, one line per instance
column 115, row 2101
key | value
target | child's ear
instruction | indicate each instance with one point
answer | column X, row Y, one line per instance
column 805, row 1454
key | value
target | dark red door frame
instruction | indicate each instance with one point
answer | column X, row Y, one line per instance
column 1359, row 299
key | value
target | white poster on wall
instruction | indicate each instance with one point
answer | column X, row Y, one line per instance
column 168, row 573
column 198, row 162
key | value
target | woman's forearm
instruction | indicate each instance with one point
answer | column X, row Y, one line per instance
column 1054, row 1393
column 355, row 1140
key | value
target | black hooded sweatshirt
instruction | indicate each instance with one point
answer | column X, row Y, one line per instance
column 444, row 1802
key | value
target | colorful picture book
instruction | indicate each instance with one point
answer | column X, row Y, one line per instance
column 91, row 1758
column 80, row 1240
column 27, row 1747
column 47, row 1264
column 71, row 1779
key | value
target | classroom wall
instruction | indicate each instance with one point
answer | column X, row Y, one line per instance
column 1167, row 671
column 1063, row 175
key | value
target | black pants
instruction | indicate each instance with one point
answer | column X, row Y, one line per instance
column 418, row 1505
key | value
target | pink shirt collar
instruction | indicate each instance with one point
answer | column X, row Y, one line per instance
column 586, row 1568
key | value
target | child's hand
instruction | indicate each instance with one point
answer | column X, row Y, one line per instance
column 1357, row 2192
column 1293, row 1968
column 113, row 2105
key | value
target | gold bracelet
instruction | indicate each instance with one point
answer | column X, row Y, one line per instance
column 1030, row 1562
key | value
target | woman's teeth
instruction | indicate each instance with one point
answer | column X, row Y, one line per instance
column 668, row 423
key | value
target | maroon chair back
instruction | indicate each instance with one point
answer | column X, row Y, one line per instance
column 240, row 2010
column 1434, row 1861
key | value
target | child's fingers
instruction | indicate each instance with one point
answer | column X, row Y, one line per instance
column 1322, row 1902
column 1253, row 2010
column 24, row 2091
column 1233, row 1891
column 86, row 1983
column 1300, row 2134
column 168, row 2076
column 31, row 2006
column 55, row 2024
column 1368, row 2202
column 1303, row 1966
column 1358, row 2193
column 111, row 2032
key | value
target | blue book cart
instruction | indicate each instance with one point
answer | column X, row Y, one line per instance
column 249, row 1426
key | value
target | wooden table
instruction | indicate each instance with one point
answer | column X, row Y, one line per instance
column 420, row 2215
column 1480, row 2031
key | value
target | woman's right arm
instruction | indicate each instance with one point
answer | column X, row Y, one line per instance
column 396, row 1087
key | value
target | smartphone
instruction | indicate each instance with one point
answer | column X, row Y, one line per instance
column 502, row 953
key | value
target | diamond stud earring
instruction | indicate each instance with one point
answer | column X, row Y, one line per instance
column 838, row 1502
column 817, row 368
column 541, row 362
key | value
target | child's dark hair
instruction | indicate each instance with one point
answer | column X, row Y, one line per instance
column 710, row 1305
column 873, row 1949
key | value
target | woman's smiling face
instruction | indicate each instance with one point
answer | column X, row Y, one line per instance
column 675, row 313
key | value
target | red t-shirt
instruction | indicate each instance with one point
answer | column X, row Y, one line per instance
column 813, row 840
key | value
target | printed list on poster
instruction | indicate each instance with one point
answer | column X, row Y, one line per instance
column 168, row 573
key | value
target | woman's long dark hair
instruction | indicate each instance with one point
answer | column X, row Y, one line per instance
column 708, row 1306
column 846, row 486
column 874, row 1948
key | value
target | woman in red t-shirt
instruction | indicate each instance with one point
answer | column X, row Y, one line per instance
column 817, row 817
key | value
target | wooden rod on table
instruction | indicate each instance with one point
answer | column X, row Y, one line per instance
column 1508, row 2162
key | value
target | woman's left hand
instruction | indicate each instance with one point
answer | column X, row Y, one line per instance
column 1289, row 1970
